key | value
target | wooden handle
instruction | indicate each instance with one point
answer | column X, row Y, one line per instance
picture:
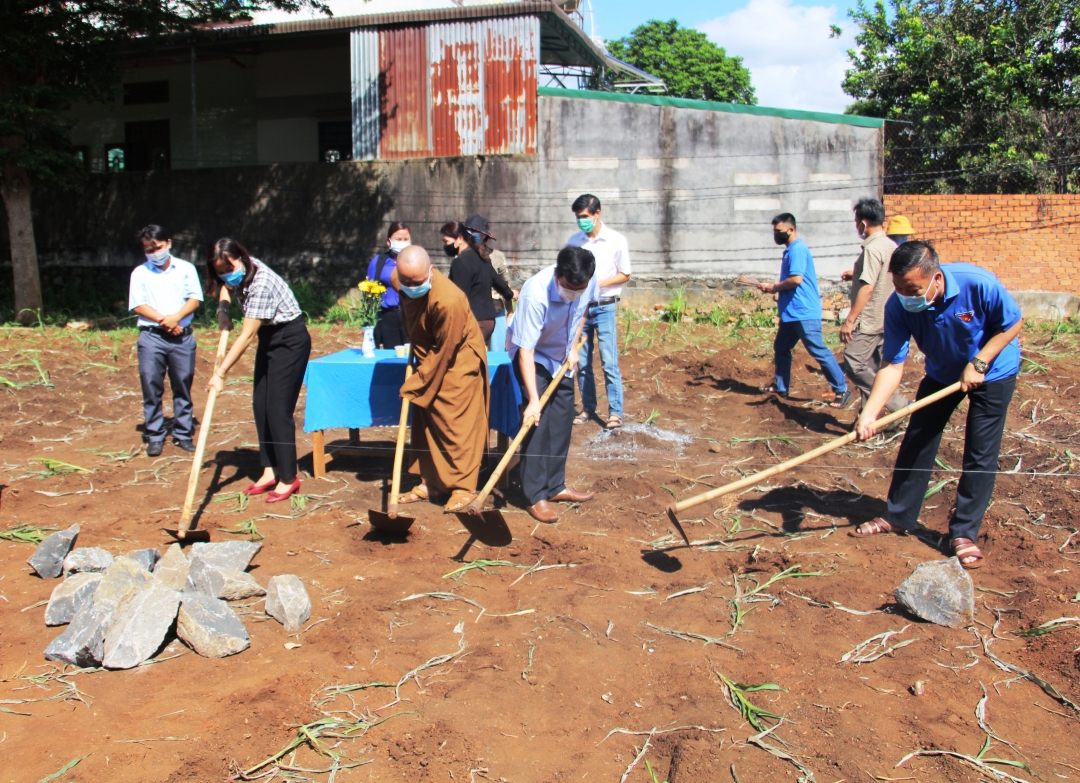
column 832, row 445
column 200, row 448
column 399, row 450
column 476, row 506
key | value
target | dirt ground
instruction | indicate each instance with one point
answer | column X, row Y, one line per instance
column 586, row 652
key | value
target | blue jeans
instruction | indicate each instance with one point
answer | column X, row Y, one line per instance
column 160, row 356
column 600, row 324
column 809, row 332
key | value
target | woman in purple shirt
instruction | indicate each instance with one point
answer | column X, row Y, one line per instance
column 390, row 329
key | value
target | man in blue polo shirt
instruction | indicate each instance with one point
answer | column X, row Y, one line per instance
column 966, row 324
column 800, row 314
column 164, row 293
column 548, row 321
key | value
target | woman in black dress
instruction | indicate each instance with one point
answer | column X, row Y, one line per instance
column 471, row 269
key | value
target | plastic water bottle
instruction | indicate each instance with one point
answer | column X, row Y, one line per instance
column 368, row 346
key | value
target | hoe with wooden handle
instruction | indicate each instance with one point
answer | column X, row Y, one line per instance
column 390, row 521
column 783, row 467
column 489, row 527
column 184, row 531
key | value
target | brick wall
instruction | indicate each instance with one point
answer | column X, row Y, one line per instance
column 1032, row 243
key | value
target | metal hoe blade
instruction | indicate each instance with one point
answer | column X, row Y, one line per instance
column 390, row 522
column 678, row 526
column 488, row 527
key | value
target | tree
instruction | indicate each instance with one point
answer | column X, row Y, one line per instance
column 988, row 92
column 690, row 64
column 53, row 52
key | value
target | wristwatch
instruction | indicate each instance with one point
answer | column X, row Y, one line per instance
column 980, row 366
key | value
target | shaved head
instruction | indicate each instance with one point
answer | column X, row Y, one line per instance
column 413, row 266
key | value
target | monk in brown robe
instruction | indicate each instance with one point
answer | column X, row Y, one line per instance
column 449, row 388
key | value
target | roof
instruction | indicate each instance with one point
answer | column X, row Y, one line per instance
column 734, row 108
column 561, row 40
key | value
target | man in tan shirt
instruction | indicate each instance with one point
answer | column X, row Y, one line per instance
column 863, row 331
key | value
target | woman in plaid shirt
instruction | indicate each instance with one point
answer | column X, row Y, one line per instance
column 271, row 313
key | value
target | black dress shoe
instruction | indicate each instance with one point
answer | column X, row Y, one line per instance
column 184, row 445
column 153, row 448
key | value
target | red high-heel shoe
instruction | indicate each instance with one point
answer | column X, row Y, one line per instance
column 260, row 489
column 274, row 497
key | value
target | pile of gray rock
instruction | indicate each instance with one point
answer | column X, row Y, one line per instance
column 120, row 611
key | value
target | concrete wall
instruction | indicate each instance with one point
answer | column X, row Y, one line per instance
column 693, row 190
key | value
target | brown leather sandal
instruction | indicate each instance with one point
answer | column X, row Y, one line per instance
column 873, row 527
column 969, row 555
column 415, row 495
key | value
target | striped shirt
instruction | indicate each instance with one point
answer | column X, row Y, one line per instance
column 268, row 297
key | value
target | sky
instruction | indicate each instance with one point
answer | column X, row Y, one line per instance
column 793, row 62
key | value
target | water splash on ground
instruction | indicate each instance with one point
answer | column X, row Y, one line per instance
column 635, row 441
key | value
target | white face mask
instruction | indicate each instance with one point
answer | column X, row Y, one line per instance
column 159, row 258
column 568, row 294
column 397, row 246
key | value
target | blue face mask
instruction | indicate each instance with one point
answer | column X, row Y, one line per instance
column 233, row 278
column 586, row 224
column 416, row 291
column 915, row 304
column 159, row 258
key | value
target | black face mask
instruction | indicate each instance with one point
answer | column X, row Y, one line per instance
column 450, row 250
column 781, row 237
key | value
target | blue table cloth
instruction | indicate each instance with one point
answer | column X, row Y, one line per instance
column 345, row 389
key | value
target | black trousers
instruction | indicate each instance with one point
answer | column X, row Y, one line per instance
column 390, row 328
column 987, row 406
column 544, row 450
column 280, row 362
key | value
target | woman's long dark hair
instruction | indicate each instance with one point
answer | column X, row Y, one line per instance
column 227, row 246
column 456, row 230
column 397, row 226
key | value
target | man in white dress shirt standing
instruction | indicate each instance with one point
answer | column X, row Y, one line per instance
column 612, row 255
column 164, row 293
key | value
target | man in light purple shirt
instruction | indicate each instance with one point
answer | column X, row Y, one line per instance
column 549, row 318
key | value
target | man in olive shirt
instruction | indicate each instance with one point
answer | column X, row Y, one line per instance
column 863, row 331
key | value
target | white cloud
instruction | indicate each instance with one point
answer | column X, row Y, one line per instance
column 793, row 62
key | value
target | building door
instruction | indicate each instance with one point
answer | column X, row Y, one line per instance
column 146, row 146
column 335, row 141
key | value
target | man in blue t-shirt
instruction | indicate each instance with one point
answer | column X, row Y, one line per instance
column 800, row 314
column 967, row 325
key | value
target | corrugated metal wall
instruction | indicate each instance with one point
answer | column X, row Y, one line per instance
column 458, row 88
column 364, row 61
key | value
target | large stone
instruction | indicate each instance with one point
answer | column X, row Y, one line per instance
column 122, row 577
column 145, row 557
column 81, row 643
column 139, row 626
column 287, row 601
column 48, row 559
column 209, row 627
column 940, row 591
column 172, row 569
column 221, row 582
column 234, row 555
column 87, row 559
column 69, row 596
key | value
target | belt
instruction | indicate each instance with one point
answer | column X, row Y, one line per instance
column 604, row 300
column 158, row 330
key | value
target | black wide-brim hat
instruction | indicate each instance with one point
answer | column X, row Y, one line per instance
column 479, row 223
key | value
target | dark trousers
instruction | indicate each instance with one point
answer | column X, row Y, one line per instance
column 280, row 362
column 160, row 355
column 544, row 450
column 987, row 406
column 486, row 328
column 788, row 335
column 390, row 328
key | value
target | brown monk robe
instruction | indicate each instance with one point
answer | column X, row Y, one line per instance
column 448, row 389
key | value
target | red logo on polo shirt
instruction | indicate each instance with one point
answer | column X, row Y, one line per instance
column 967, row 317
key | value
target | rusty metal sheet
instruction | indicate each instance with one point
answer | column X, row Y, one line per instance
column 403, row 93
column 483, row 86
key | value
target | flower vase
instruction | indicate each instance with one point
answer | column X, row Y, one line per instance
column 368, row 346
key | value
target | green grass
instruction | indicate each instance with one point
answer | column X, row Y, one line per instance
column 26, row 533
column 676, row 308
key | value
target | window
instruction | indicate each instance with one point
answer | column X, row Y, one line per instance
column 142, row 93
column 335, row 141
column 146, row 145
column 114, row 158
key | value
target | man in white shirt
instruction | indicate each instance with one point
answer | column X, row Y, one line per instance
column 612, row 255
column 164, row 293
